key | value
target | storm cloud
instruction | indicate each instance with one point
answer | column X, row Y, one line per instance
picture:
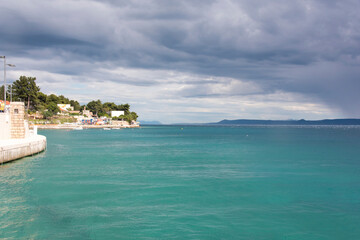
column 192, row 61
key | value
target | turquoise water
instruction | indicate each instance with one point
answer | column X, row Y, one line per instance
column 173, row 182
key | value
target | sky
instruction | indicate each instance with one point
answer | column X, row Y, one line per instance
column 192, row 61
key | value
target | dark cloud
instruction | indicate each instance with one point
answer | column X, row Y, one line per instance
column 306, row 47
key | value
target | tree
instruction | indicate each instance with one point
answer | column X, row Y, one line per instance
column 110, row 105
column 42, row 98
column 8, row 92
column 2, row 92
column 53, row 108
column 75, row 104
column 95, row 107
column 52, row 98
column 63, row 100
column 47, row 114
column 40, row 102
column 128, row 117
column 121, row 117
column 25, row 88
column 134, row 116
column 125, row 108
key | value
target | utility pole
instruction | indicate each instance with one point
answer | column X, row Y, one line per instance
column 10, row 65
column 4, row 82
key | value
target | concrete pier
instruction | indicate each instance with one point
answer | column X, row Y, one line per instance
column 12, row 149
column 16, row 140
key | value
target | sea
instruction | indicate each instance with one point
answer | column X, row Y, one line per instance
column 187, row 182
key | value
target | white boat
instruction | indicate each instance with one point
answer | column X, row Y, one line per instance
column 116, row 128
column 79, row 128
column 107, row 128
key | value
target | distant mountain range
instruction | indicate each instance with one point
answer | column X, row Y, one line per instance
column 349, row 121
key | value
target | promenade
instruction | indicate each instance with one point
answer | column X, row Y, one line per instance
column 12, row 149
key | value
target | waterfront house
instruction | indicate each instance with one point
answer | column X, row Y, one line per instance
column 64, row 108
column 117, row 113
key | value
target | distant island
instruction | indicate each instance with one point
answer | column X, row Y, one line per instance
column 348, row 121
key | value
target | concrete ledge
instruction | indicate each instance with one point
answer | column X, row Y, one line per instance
column 13, row 149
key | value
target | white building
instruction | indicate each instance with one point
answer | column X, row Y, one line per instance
column 65, row 107
column 117, row 113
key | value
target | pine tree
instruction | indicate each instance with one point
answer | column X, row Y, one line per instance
column 25, row 88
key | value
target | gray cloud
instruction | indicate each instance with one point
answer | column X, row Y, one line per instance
column 302, row 47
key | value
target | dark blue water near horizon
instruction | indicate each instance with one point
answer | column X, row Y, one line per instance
column 186, row 182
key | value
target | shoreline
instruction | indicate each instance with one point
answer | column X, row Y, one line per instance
column 72, row 127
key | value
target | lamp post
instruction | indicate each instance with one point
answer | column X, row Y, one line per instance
column 4, row 81
column 10, row 65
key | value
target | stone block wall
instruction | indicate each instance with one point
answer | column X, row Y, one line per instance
column 17, row 112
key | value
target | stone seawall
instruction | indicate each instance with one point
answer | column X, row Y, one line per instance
column 13, row 149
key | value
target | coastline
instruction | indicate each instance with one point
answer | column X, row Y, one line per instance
column 72, row 127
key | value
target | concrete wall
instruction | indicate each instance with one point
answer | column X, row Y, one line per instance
column 14, row 149
column 5, row 126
